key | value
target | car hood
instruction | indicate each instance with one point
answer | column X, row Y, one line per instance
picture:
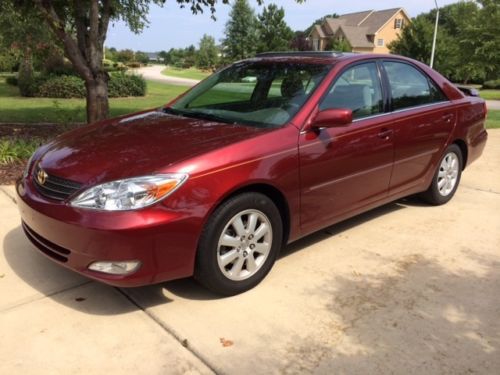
column 136, row 145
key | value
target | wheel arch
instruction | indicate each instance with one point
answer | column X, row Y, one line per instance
column 463, row 148
column 271, row 192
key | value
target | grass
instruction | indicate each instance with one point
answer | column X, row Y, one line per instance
column 14, row 108
column 191, row 73
column 493, row 120
column 490, row 94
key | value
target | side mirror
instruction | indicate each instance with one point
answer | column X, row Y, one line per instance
column 330, row 118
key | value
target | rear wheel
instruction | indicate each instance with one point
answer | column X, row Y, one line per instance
column 239, row 244
column 447, row 177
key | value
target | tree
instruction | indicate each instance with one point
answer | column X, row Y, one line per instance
column 125, row 55
column 80, row 28
column 241, row 32
column 319, row 21
column 208, row 54
column 142, row 57
column 300, row 42
column 29, row 42
column 468, row 40
column 273, row 32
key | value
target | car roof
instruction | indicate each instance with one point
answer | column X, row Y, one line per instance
column 324, row 57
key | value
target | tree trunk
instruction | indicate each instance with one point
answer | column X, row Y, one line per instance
column 97, row 98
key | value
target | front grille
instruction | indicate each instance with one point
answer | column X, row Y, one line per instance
column 45, row 246
column 55, row 187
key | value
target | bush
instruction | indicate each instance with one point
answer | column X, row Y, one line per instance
column 68, row 86
column 16, row 149
column 494, row 84
column 121, row 85
column 11, row 80
column 134, row 64
column 62, row 87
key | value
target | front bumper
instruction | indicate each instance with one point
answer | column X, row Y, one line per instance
column 163, row 241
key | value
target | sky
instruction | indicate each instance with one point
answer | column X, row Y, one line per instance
column 173, row 27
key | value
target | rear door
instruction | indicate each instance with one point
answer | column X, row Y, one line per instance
column 347, row 167
column 423, row 120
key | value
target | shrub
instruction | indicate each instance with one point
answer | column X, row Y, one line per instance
column 16, row 149
column 62, row 87
column 134, row 64
column 494, row 84
column 121, row 84
column 54, row 86
column 11, row 80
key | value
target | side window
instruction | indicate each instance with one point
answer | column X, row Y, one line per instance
column 358, row 89
column 410, row 87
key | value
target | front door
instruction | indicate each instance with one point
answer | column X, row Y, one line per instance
column 347, row 167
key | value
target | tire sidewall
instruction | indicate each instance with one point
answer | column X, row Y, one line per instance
column 436, row 196
column 207, row 268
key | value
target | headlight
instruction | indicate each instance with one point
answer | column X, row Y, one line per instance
column 129, row 194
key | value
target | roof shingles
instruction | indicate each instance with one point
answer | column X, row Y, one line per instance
column 357, row 26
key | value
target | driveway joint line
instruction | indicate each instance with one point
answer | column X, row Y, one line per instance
column 38, row 298
column 479, row 189
column 170, row 331
column 7, row 193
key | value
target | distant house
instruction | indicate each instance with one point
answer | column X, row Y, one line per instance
column 154, row 57
column 369, row 31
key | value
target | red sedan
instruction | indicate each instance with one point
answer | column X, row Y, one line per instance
column 256, row 156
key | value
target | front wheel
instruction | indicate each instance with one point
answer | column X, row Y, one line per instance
column 239, row 244
column 447, row 177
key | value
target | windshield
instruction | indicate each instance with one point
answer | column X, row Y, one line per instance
column 253, row 93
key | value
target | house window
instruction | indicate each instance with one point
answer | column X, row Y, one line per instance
column 380, row 42
column 398, row 23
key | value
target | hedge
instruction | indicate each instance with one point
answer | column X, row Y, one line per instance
column 69, row 86
column 494, row 84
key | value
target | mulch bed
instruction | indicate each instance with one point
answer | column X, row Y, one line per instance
column 9, row 173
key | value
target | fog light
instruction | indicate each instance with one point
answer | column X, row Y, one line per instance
column 116, row 268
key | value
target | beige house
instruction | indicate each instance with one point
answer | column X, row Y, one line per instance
column 369, row 31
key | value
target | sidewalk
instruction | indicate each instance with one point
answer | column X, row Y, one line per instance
column 493, row 104
column 53, row 321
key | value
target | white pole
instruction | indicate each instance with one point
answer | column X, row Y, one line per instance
column 435, row 34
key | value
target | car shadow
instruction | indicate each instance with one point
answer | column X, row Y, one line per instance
column 31, row 267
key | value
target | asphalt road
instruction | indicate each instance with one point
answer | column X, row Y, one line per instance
column 406, row 289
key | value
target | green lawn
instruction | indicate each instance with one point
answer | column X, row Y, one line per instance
column 191, row 73
column 493, row 120
column 14, row 108
column 490, row 94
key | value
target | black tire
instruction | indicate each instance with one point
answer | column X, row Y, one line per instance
column 207, row 269
column 433, row 195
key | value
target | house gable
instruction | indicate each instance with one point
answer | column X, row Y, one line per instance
column 363, row 30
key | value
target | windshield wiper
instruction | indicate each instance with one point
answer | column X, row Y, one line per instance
column 196, row 114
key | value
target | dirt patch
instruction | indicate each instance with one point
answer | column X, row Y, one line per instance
column 10, row 172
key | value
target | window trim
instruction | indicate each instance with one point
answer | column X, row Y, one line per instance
column 380, row 44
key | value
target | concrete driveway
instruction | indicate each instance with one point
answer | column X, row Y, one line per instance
column 405, row 288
